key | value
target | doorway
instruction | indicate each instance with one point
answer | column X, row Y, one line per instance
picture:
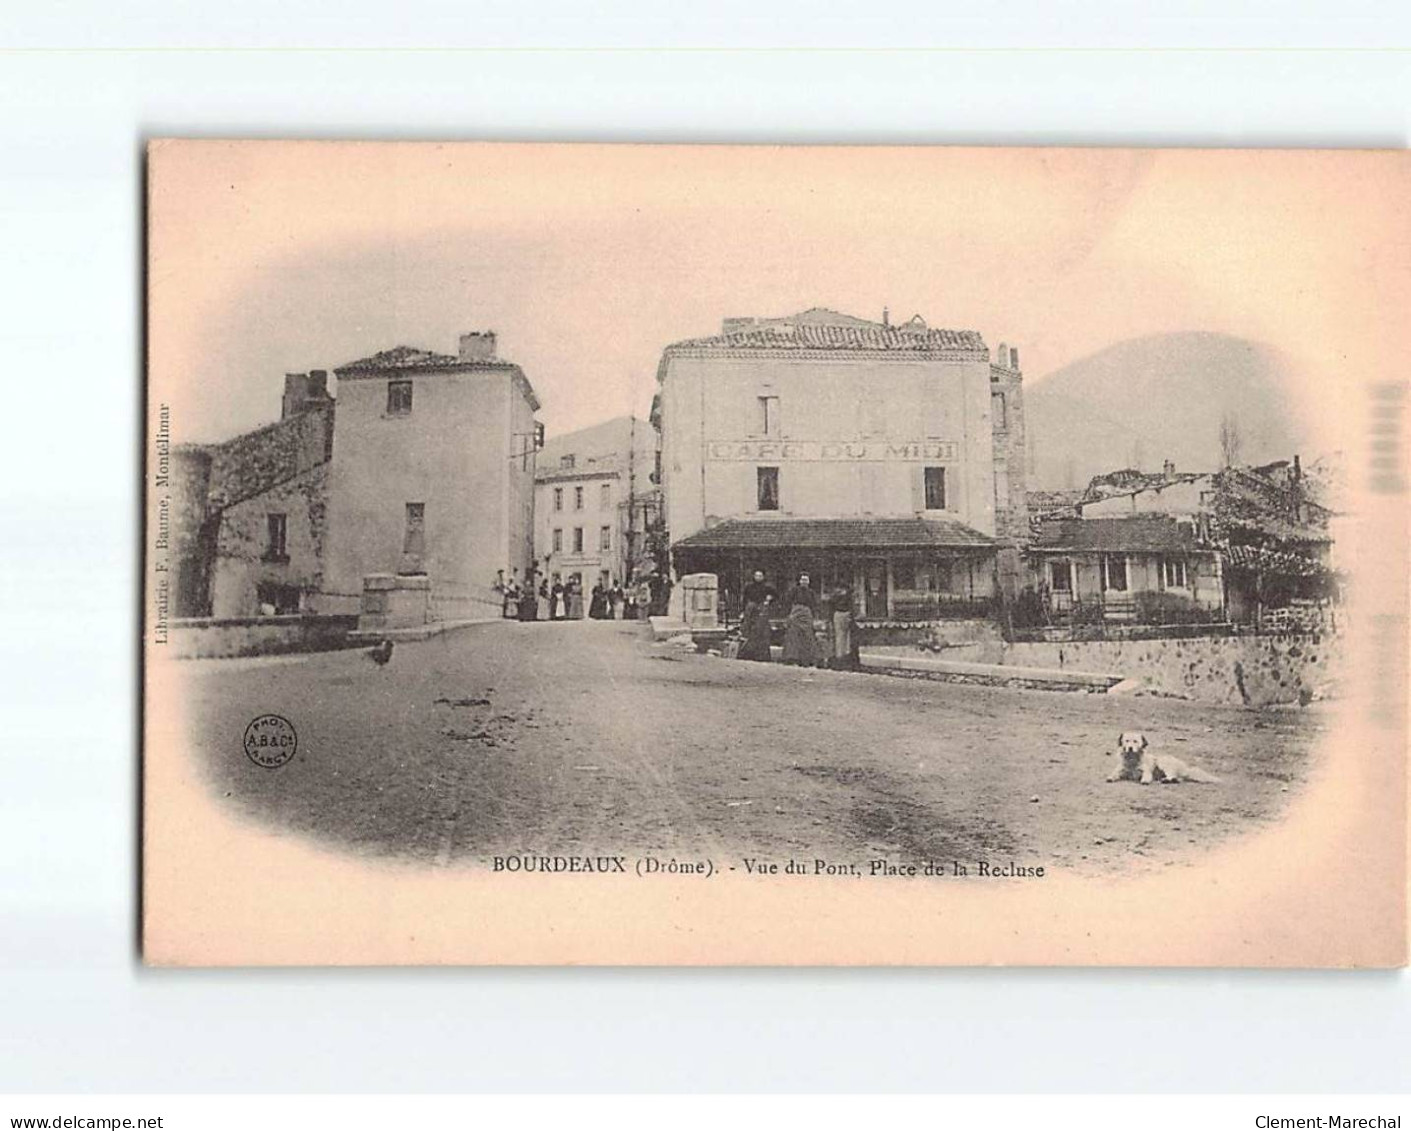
column 874, row 588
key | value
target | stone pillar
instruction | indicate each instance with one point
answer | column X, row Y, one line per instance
column 392, row 601
column 701, row 601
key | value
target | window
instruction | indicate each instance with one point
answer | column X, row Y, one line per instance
column 577, row 539
column 904, row 575
column 935, row 488
column 276, row 548
column 605, row 578
column 767, row 419
column 998, row 411
column 414, row 540
column 767, row 487
column 1175, row 573
column 558, row 540
column 1114, row 573
column 605, row 538
column 567, row 461
column 578, row 498
column 1061, row 577
column 399, row 398
column 558, row 498
column 605, row 496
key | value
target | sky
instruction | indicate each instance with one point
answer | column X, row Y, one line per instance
column 274, row 257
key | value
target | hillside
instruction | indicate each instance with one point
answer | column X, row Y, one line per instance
column 1151, row 399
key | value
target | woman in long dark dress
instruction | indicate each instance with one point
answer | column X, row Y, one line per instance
column 754, row 622
column 597, row 603
column 800, row 644
column 529, row 600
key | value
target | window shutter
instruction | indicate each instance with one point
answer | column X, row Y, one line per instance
column 918, row 488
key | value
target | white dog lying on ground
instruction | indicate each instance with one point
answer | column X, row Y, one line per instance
column 1141, row 764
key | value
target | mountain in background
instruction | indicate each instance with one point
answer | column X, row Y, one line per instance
column 1148, row 400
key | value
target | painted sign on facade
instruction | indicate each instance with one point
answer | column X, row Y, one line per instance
column 830, row 451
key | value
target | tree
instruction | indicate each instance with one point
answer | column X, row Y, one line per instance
column 1231, row 440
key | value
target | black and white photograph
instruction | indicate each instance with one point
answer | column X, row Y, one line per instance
column 881, row 528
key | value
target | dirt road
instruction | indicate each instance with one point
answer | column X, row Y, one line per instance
column 584, row 738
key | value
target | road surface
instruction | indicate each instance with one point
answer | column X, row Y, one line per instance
column 583, row 738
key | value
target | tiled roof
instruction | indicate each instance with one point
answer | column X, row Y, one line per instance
column 406, row 357
column 1272, row 561
column 1152, row 533
column 835, row 533
column 810, row 336
column 592, row 469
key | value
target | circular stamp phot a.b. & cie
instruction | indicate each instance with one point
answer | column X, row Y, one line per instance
column 270, row 741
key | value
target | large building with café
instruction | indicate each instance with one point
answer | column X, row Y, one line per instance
column 884, row 458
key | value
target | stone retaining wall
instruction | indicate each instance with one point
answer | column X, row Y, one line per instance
column 1252, row 670
column 209, row 637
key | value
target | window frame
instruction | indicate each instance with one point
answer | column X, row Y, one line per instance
column 1107, row 586
column 396, row 385
column 767, row 414
column 940, row 472
column 558, row 540
column 604, row 538
column 558, row 499
column 276, row 550
column 1170, row 566
column 767, row 474
column 578, row 497
column 577, row 539
column 604, row 496
column 1066, row 564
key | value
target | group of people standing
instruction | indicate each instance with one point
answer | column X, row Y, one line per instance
column 561, row 600
column 802, row 645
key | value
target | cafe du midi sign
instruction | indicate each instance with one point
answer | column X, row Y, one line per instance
column 830, row 451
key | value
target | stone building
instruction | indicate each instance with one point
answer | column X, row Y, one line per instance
column 885, row 458
column 432, row 478
column 249, row 514
column 595, row 503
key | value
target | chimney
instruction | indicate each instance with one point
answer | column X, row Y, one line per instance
column 1168, row 470
column 303, row 391
column 1002, row 356
column 478, row 345
column 886, row 317
column 1014, row 358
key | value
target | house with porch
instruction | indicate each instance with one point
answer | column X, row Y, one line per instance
column 1153, row 568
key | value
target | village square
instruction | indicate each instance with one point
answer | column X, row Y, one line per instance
column 810, row 605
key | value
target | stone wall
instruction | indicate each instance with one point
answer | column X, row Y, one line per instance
column 1251, row 670
column 251, row 464
column 241, row 563
column 190, row 537
column 209, row 637
column 1011, row 458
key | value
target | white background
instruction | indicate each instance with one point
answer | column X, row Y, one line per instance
column 83, row 84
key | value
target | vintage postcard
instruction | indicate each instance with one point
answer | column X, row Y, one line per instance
column 775, row 555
